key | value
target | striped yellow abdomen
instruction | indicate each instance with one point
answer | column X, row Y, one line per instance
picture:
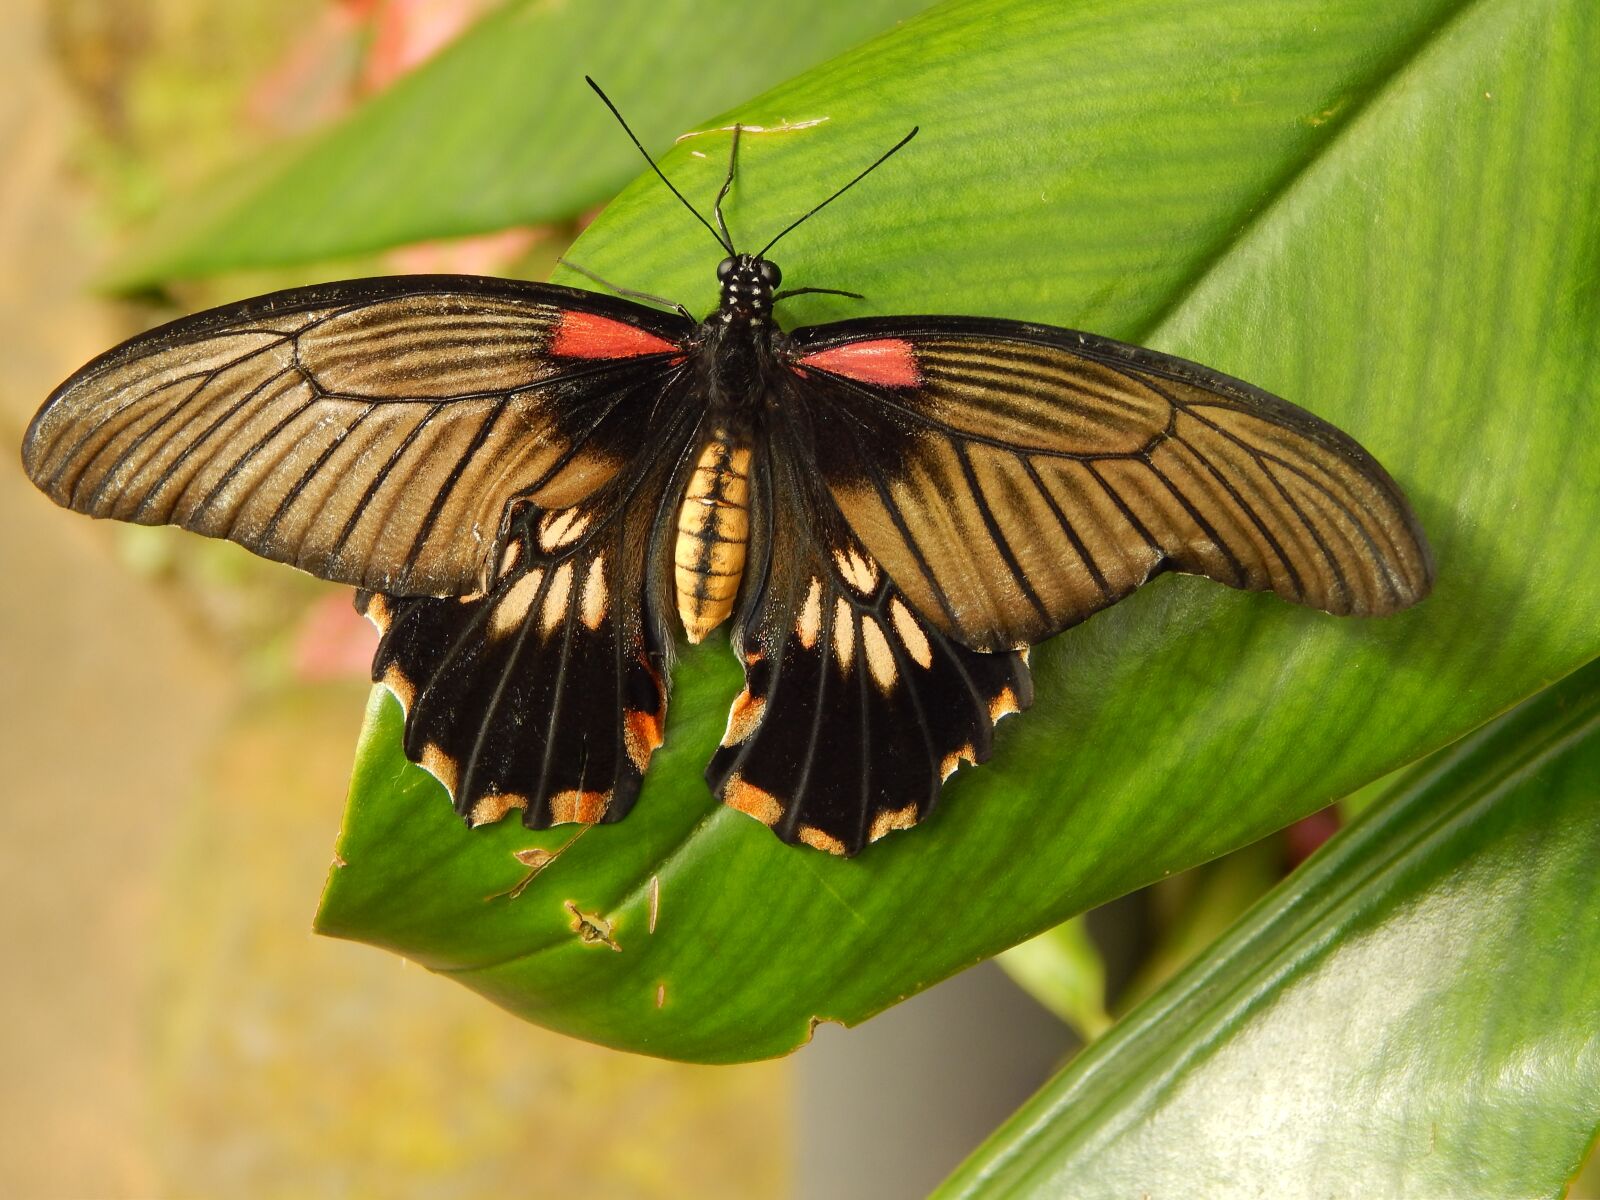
column 713, row 526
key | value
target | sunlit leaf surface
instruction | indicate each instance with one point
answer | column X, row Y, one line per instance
column 1413, row 1013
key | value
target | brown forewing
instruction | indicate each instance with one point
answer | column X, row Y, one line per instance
column 370, row 432
column 1031, row 476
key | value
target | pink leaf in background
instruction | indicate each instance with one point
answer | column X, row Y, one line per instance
column 354, row 48
column 407, row 33
column 485, row 254
column 1305, row 836
column 333, row 641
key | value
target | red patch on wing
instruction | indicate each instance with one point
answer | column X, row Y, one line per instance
column 886, row 361
column 584, row 335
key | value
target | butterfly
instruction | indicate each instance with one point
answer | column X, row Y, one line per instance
column 534, row 487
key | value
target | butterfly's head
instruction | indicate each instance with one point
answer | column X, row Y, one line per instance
column 747, row 283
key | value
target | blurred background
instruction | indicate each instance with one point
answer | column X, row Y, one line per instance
column 177, row 723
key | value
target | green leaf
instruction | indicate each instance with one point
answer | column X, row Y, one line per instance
column 1412, row 1013
column 499, row 130
column 1062, row 969
column 1384, row 212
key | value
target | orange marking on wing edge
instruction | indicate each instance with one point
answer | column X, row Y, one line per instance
column 948, row 767
column 891, row 819
column 440, row 765
column 584, row 335
column 751, row 800
column 641, row 734
column 890, row 362
column 394, row 679
column 743, row 717
column 492, row 807
column 583, row 807
column 378, row 612
column 1003, row 705
column 818, row 840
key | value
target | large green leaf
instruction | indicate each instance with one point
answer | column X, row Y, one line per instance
column 1382, row 211
column 1413, row 1013
column 498, row 131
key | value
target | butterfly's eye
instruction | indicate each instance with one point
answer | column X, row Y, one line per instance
column 725, row 269
column 770, row 273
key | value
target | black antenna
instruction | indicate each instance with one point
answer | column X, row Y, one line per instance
column 727, row 186
column 726, row 245
column 631, row 293
column 883, row 158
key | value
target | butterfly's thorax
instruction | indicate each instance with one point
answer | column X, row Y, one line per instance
column 735, row 345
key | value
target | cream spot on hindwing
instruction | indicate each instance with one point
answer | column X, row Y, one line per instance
column 510, row 555
column 641, row 734
column 1003, row 705
column 378, row 612
column 561, row 528
column 880, row 659
column 911, row 634
column 817, row 839
column 844, row 634
column 555, row 600
column 743, row 718
column 860, row 573
column 584, row 808
column 594, row 593
column 440, row 765
column 394, row 679
column 948, row 767
column 512, row 608
column 809, row 626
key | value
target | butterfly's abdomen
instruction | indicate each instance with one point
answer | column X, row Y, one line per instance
column 713, row 526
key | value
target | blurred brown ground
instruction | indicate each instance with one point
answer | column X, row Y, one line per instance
column 168, row 1025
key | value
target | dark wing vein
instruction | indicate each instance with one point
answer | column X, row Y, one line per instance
column 183, row 456
column 306, row 476
column 379, row 478
column 996, row 534
column 1070, row 533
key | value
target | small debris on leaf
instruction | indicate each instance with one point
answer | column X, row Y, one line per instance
column 592, row 929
